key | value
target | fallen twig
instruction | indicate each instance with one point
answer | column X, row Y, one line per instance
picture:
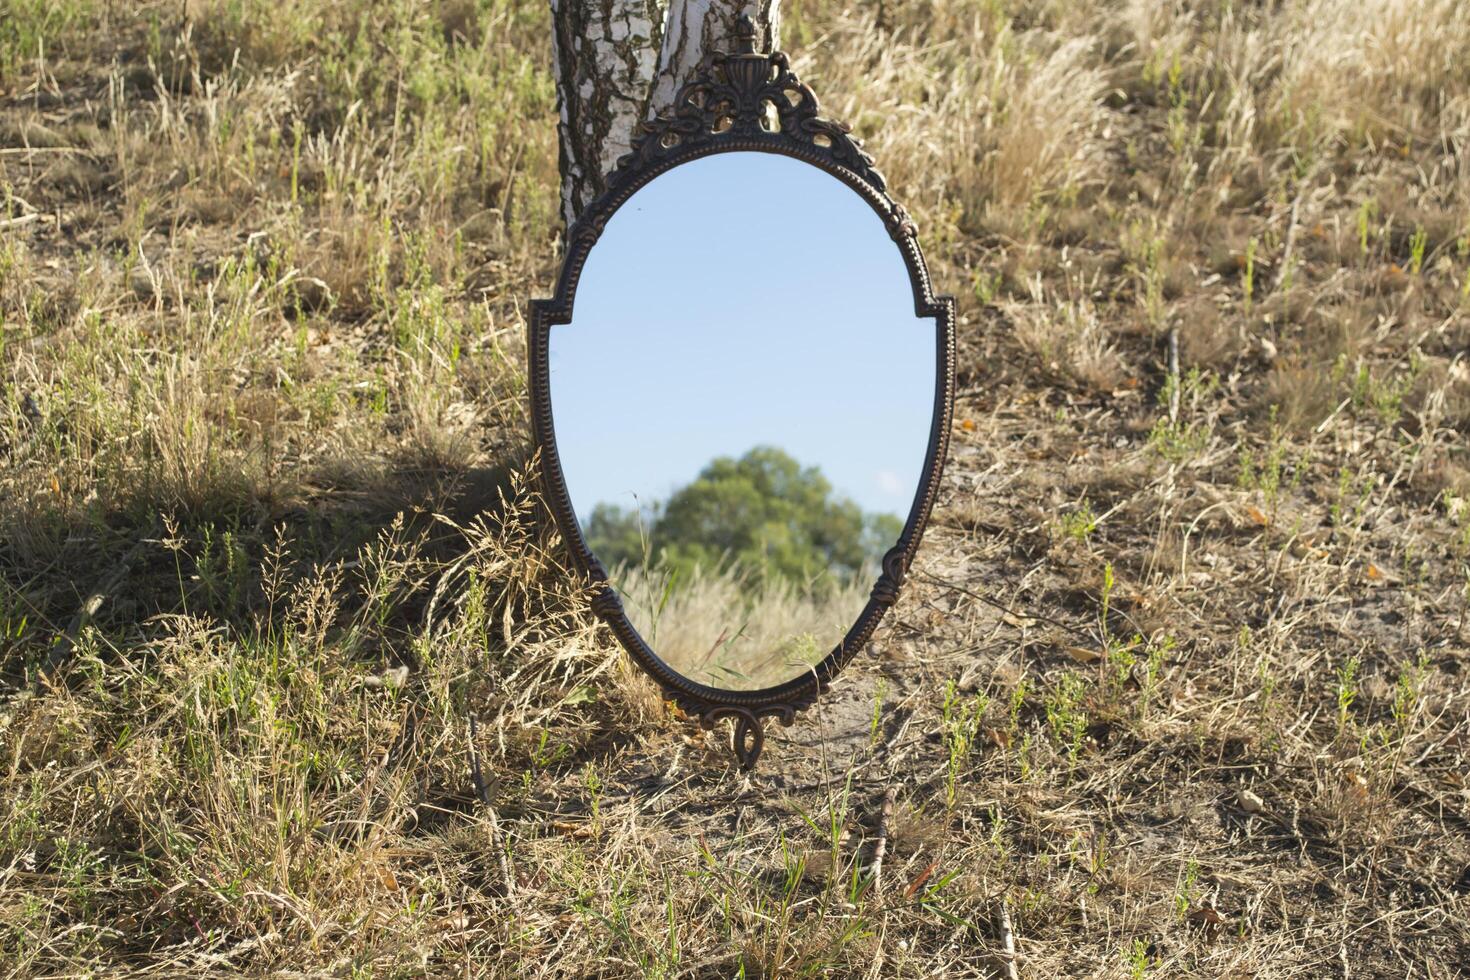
column 880, row 842
column 28, row 150
column 22, row 220
column 1008, row 941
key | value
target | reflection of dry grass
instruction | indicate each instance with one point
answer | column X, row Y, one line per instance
column 727, row 629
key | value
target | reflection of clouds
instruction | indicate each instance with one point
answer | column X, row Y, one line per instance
column 889, row 483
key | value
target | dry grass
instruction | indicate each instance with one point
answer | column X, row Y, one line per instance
column 1178, row 686
column 727, row 628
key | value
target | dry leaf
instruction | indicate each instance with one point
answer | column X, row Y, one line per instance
column 1209, row 919
column 1084, row 655
column 392, row 677
column 1303, row 548
column 1393, row 277
column 918, row 881
column 1206, row 915
column 1250, row 802
column 571, row 829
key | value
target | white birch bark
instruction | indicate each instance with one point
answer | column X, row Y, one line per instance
column 606, row 53
column 619, row 62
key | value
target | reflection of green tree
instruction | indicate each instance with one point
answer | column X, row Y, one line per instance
column 763, row 512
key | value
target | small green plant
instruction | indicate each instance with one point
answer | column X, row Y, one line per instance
column 1017, row 701
column 1367, row 212
column 1186, row 131
column 987, row 286
column 545, row 754
column 1138, row 959
column 1178, row 440
column 875, row 729
column 1097, row 859
column 1154, row 66
column 593, row 784
column 1407, row 692
column 14, row 620
column 1079, row 524
column 1117, row 664
column 1188, row 889
column 793, row 864
column 1347, row 690
column 1385, row 395
column 1417, row 243
column 960, row 724
column 1145, row 248
column 1351, row 500
column 1265, row 472
column 1153, row 669
column 997, row 839
column 223, row 569
column 1065, row 715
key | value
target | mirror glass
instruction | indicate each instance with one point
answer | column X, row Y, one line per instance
column 742, row 406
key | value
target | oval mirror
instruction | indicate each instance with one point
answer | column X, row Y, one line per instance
column 742, row 394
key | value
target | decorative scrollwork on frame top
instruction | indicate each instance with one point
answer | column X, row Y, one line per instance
column 737, row 95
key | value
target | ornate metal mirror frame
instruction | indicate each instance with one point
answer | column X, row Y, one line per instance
column 727, row 107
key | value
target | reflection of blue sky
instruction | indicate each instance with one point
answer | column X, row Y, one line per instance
column 743, row 299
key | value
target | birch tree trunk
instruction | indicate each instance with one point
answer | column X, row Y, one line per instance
column 619, row 62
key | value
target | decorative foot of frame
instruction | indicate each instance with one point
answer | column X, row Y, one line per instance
column 747, row 729
column 747, row 733
column 747, row 738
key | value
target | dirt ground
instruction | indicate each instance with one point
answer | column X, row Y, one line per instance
column 294, row 681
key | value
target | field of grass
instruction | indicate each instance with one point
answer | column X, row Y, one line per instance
column 731, row 628
column 293, row 678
